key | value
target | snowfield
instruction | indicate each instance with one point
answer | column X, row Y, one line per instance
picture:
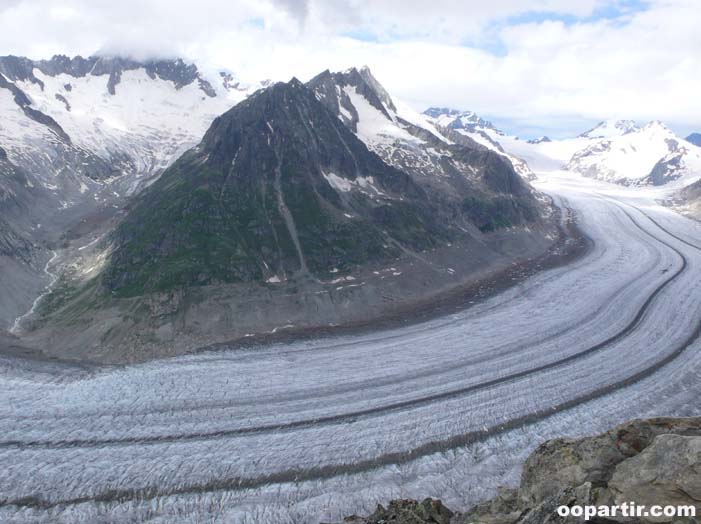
column 314, row 430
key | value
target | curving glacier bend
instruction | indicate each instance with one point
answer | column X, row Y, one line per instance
column 317, row 429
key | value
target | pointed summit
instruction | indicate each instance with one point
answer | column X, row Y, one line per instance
column 364, row 83
column 380, row 91
column 278, row 189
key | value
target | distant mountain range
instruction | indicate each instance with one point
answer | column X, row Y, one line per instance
column 648, row 155
column 694, row 138
column 469, row 125
column 611, row 128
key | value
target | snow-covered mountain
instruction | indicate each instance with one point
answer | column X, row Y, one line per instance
column 469, row 124
column 105, row 117
column 649, row 155
column 456, row 119
column 443, row 160
column 78, row 136
column 617, row 151
column 611, row 128
column 398, row 134
column 540, row 140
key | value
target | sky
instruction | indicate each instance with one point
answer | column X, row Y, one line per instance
column 534, row 67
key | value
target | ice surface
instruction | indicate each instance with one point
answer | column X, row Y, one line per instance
column 317, row 429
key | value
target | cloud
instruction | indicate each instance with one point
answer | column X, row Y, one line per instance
column 539, row 66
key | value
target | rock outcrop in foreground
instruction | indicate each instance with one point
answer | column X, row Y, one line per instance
column 649, row 462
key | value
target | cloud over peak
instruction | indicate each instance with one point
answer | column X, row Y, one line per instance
column 537, row 64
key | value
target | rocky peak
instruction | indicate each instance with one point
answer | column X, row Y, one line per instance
column 325, row 87
column 17, row 68
column 456, row 119
column 176, row 71
column 379, row 90
column 278, row 189
column 610, row 128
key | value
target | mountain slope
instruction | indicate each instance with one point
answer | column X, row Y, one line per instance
column 470, row 125
column 283, row 217
column 122, row 116
column 458, row 172
column 277, row 188
column 651, row 155
column 81, row 135
column 688, row 200
column 396, row 133
column 611, row 128
column 694, row 138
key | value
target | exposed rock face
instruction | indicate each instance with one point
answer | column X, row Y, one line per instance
column 284, row 216
column 648, row 462
column 688, row 200
column 668, row 470
column 457, row 171
column 650, row 155
column 278, row 187
column 622, row 465
column 407, row 512
column 177, row 71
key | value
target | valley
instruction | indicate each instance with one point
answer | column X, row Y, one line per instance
column 285, row 432
column 285, row 302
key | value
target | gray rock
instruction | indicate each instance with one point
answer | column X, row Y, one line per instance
column 503, row 509
column 563, row 463
column 668, row 471
column 650, row 462
column 406, row 511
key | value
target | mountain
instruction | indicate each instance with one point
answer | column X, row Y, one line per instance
column 467, row 124
column 455, row 119
column 293, row 212
column 81, row 135
column 438, row 159
column 119, row 116
column 400, row 136
column 611, row 128
column 277, row 188
column 687, row 200
column 694, row 138
column 281, row 187
column 651, row 155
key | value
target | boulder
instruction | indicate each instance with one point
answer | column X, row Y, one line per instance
column 649, row 462
column 407, row 511
column 667, row 472
column 562, row 463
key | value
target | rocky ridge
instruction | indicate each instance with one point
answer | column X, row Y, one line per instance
column 650, row 462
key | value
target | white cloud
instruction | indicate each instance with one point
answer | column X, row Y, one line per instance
column 551, row 72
